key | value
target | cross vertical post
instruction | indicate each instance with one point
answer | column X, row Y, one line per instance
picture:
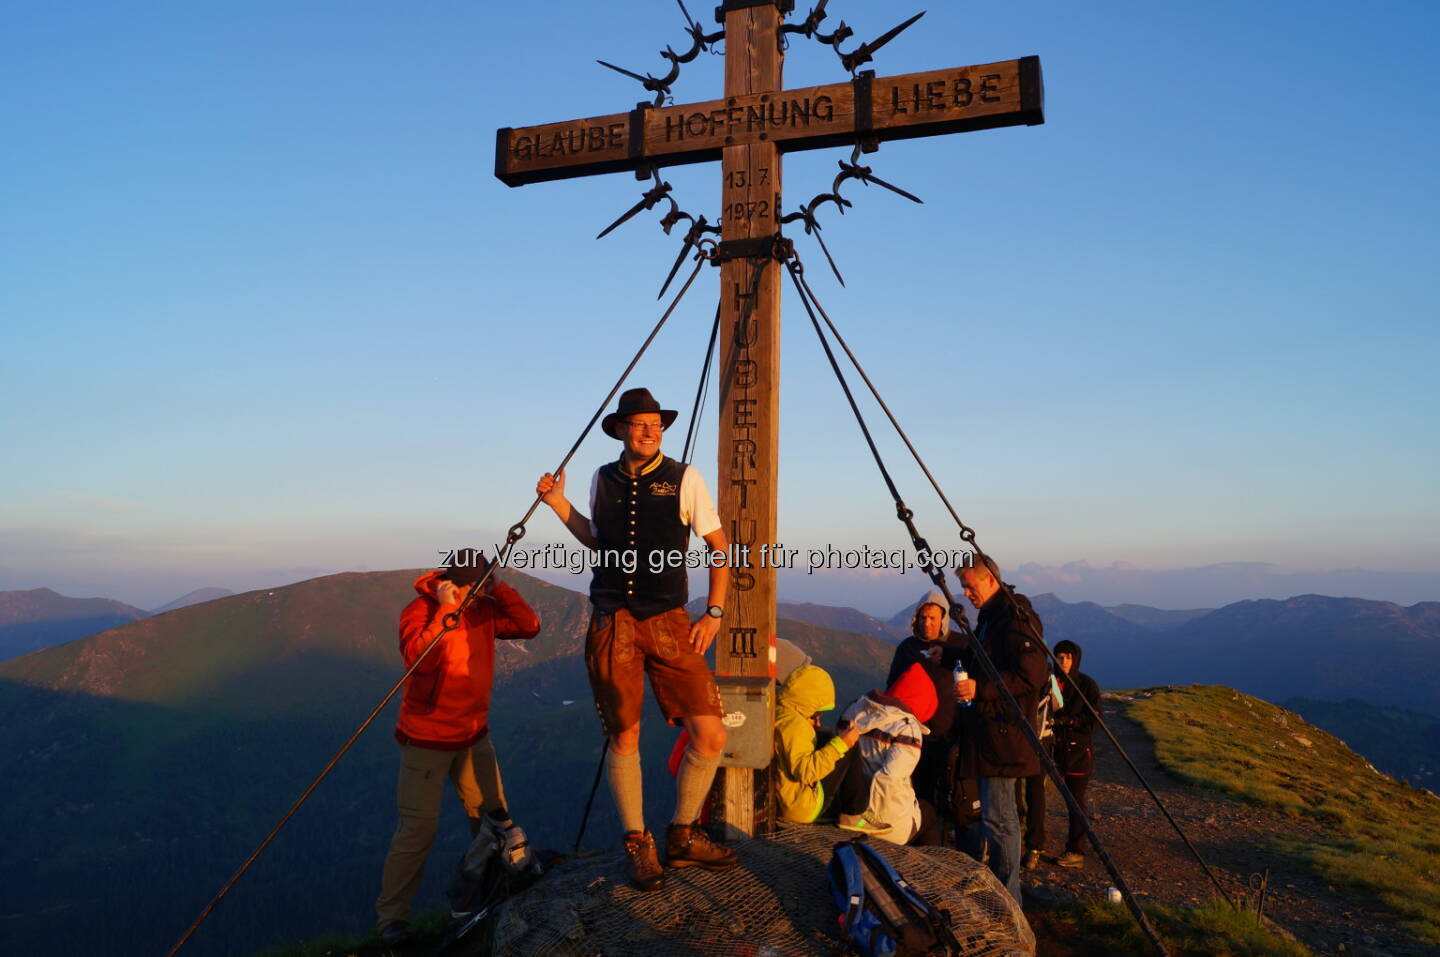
column 747, row 131
column 749, row 381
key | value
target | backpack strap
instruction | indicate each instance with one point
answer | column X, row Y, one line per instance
column 922, row 929
column 894, row 878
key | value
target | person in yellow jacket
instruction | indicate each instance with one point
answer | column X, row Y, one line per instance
column 813, row 774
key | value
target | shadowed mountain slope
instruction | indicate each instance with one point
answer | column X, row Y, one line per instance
column 841, row 619
column 154, row 756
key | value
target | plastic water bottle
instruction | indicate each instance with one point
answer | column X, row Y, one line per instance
column 962, row 675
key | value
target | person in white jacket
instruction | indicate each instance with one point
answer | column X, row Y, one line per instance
column 892, row 727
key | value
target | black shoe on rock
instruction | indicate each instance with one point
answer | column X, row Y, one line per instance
column 393, row 933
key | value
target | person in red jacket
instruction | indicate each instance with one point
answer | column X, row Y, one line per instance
column 444, row 729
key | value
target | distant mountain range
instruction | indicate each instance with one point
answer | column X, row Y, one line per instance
column 1309, row 646
column 38, row 618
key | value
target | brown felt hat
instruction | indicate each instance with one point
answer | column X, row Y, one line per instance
column 634, row 402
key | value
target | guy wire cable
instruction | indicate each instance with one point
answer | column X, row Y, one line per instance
column 977, row 648
column 699, row 406
column 967, row 534
column 516, row 532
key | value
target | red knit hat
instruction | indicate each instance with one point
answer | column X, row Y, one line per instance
column 915, row 688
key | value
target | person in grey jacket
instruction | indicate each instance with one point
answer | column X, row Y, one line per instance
column 891, row 725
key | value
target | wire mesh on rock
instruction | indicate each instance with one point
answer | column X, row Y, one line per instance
column 776, row 903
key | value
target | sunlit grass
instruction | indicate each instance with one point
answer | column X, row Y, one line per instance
column 1214, row 930
column 1379, row 835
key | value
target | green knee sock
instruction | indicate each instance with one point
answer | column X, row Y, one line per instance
column 623, row 772
column 697, row 773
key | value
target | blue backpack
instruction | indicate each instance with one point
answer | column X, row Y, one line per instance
column 881, row 915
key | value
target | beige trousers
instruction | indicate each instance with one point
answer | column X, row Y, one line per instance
column 475, row 772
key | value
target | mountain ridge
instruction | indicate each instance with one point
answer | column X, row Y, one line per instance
column 195, row 597
column 39, row 617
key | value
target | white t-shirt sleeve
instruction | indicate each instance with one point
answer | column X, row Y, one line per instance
column 696, row 508
column 594, row 491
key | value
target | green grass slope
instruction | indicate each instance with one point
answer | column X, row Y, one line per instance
column 1375, row 834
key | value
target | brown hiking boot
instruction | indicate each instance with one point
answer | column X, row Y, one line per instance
column 690, row 846
column 645, row 870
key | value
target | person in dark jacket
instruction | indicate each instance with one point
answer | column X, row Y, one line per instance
column 935, row 648
column 994, row 748
column 1074, row 727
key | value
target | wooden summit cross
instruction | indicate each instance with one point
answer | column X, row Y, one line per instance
column 747, row 131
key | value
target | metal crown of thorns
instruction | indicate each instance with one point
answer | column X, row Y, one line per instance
column 661, row 87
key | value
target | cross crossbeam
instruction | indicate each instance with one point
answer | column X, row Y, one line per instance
column 958, row 100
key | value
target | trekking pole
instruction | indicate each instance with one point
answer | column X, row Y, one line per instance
column 590, row 801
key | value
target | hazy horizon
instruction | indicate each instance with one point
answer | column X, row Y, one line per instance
column 267, row 313
column 882, row 595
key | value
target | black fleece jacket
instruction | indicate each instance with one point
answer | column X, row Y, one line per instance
column 992, row 744
column 1075, row 723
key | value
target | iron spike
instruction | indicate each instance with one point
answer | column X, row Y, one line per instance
column 894, row 32
column 647, row 201
column 617, row 69
column 867, row 178
column 684, row 251
column 688, row 19
column 866, row 51
column 633, row 210
column 828, row 258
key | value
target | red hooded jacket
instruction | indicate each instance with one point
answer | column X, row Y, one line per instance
column 447, row 699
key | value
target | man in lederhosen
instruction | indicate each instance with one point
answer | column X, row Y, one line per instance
column 644, row 507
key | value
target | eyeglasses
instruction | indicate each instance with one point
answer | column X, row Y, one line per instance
column 645, row 427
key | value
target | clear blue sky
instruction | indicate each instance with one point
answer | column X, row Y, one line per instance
column 266, row 312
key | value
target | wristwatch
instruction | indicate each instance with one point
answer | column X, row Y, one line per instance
column 715, row 611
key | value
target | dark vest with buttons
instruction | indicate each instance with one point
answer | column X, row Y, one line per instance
column 640, row 513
